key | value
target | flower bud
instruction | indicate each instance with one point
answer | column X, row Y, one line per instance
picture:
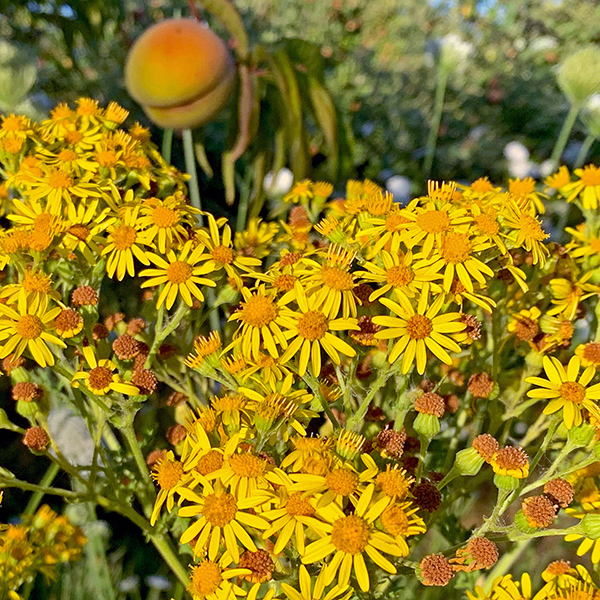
column 468, row 462
column 426, row 425
column 522, row 524
column 579, row 74
column 506, row 482
column 591, row 526
column 581, row 435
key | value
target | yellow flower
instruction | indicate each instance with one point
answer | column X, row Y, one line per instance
column 302, row 191
column 587, row 187
column 310, row 455
column 584, row 245
column 307, row 592
column 348, row 538
column 567, row 390
column 566, row 295
column 419, row 331
column 221, row 519
column 124, row 243
column 505, row 588
column 256, row 239
column 181, row 275
column 165, row 220
column 589, row 354
column 311, row 329
column 261, row 319
column 26, row 328
column 400, row 521
column 559, row 179
column 83, row 227
column 100, row 379
column 524, row 190
column 35, row 288
column 211, row 580
column 588, row 543
column 527, row 232
column 167, row 472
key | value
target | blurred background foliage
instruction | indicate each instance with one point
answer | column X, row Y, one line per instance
column 379, row 59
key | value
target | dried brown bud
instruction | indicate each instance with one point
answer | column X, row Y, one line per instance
column 486, row 446
column 84, row 295
column 362, row 292
column 260, row 564
column 100, row 332
column 472, row 327
column 176, row 434
column 539, row 511
column 155, row 456
column 480, row 385
column 111, row 321
column 430, row 403
column 126, row 347
column 483, row 552
column 510, row 458
column 435, row 570
column 36, row 439
column 10, row 363
column 391, row 443
column 145, row 380
column 427, row 496
column 560, row 491
column 27, row 391
column 136, row 325
column 368, row 329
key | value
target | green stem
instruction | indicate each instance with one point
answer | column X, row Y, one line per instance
column 164, row 332
column 356, row 421
column 129, row 435
column 190, row 165
column 563, row 137
column 440, row 92
column 46, row 481
column 501, row 505
column 167, row 144
column 32, row 487
column 584, row 150
column 312, row 382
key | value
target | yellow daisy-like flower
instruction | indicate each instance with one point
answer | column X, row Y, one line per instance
column 587, row 187
column 396, row 270
column 385, row 230
column 181, row 275
column 589, row 543
column 310, row 455
column 524, row 190
column 219, row 252
column 83, row 228
column 261, row 319
column 167, row 473
column 567, row 390
column 256, row 239
column 527, row 232
column 583, row 245
column 311, row 329
column 35, row 288
column 401, row 521
column 294, row 511
column 559, row 179
column 589, row 354
column 348, row 538
column 505, row 588
column 125, row 242
column 101, row 379
column 26, row 328
column 307, row 592
column 165, row 220
column 302, row 191
column 567, row 294
column 419, row 331
column 221, row 519
column 212, row 580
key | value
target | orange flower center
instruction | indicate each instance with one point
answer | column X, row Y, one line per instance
column 530, row 227
column 313, row 325
column 106, row 158
column 419, row 327
column 223, row 254
column 350, row 534
column 79, row 231
column 29, row 327
column 486, row 224
column 297, row 506
column 258, row 311
column 341, row 481
column 394, row 221
column 591, row 352
column 399, row 276
column 572, row 391
column 167, row 473
column 393, row 482
column 434, row 221
column 212, row 461
column 100, row 378
column 456, row 248
column 522, row 187
column 36, row 283
column 59, row 179
column 337, row 278
column 206, row 579
column 73, row 137
column 247, row 465
column 67, row 155
column 219, row 510
column 164, row 217
column 590, row 176
column 123, row 237
column 395, row 521
column 285, row 282
column 178, row 272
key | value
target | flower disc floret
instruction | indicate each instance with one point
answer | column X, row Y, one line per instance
column 337, row 278
column 297, row 506
column 219, row 510
column 312, row 325
column 206, row 578
column 342, row 481
column 223, row 254
column 456, row 248
column 419, row 327
column 247, row 465
column 395, row 520
column 399, row 275
column 434, row 221
column 572, row 391
column 394, row 483
column 123, row 237
column 258, row 311
column 100, row 378
column 167, row 473
column 164, row 217
column 178, row 272
column 350, row 534
column 29, row 327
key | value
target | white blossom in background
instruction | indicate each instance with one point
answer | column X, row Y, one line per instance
column 455, row 52
column 278, row 184
column 517, row 159
column 157, row 582
column 546, row 168
column 72, row 436
column 400, row 187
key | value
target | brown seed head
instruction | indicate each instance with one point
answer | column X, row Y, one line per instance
column 560, row 491
column 10, row 363
column 480, row 385
column 100, row 332
column 260, row 563
column 126, row 347
column 486, row 446
column 430, row 403
column 155, row 456
column 391, row 443
column 176, row 398
column 427, row 496
column 290, row 258
column 483, row 552
column 452, row 403
column 84, row 295
column 298, row 218
column 68, row 320
column 136, row 325
column 558, row 567
column 113, row 319
column 27, row 391
column 36, row 438
column 145, row 380
column 510, row 458
column 176, row 434
column 472, row 327
column 368, row 329
column 526, row 329
column 539, row 511
column 362, row 292
column 435, row 570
